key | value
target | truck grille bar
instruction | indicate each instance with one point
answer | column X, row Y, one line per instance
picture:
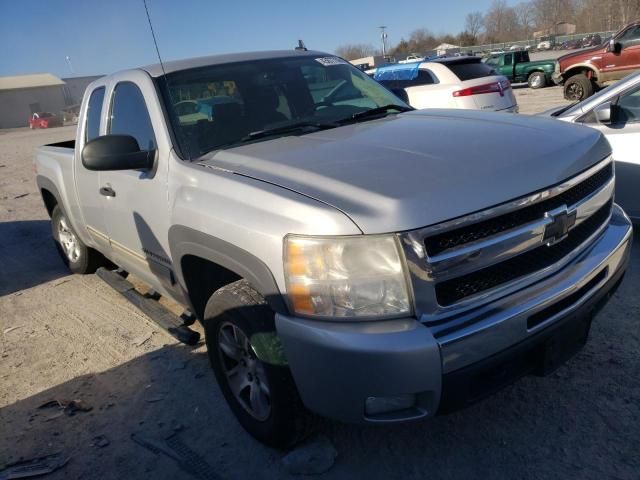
column 478, row 231
column 472, row 260
column 540, row 258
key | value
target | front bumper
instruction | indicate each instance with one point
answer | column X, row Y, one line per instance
column 338, row 366
column 557, row 78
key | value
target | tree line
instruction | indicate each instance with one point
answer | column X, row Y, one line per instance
column 504, row 23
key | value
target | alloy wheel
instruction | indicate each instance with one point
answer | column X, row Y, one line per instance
column 244, row 372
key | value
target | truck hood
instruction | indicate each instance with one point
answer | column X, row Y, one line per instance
column 587, row 53
column 422, row 167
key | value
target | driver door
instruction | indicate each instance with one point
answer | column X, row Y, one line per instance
column 136, row 204
column 619, row 65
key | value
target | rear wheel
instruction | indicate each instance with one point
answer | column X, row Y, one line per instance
column 578, row 88
column 74, row 253
column 262, row 396
column 537, row 80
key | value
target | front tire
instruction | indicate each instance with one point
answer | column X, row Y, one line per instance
column 262, row 396
column 578, row 88
column 74, row 253
column 537, row 80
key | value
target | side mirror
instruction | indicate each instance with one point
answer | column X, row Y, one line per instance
column 603, row 112
column 116, row 152
column 401, row 93
column 615, row 47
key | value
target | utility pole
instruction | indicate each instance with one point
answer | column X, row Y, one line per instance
column 383, row 37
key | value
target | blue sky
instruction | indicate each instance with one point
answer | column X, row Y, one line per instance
column 103, row 36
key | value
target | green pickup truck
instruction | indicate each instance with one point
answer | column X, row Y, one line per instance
column 517, row 67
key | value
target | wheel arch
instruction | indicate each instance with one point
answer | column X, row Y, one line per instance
column 49, row 193
column 204, row 263
column 589, row 70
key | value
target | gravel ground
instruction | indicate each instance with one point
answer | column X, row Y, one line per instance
column 68, row 337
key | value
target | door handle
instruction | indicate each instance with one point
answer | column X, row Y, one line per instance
column 107, row 191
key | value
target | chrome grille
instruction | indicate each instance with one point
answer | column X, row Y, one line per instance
column 487, row 228
column 469, row 261
column 453, row 290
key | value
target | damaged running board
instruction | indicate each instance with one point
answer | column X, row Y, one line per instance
column 162, row 317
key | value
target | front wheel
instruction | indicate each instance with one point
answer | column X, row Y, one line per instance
column 578, row 88
column 537, row 80
column 74, row 253
column 262, row 396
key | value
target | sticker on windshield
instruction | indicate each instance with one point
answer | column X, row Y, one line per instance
column 329, row 61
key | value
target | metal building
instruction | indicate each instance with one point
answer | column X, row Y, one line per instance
column 23, row 95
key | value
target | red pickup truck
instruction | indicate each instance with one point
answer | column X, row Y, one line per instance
column 584, row 71
column 45, row 120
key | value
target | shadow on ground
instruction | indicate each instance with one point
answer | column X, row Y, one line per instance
column 28, row 256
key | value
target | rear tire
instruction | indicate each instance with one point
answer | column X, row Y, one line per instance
column 74, row 253
column 537, row 80
column 232, row 316
column 578, row 88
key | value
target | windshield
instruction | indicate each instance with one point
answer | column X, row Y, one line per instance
column 222, row 105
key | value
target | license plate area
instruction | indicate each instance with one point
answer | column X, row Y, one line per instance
column 564, row 343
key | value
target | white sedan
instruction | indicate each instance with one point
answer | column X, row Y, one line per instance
column 615, row 111
column 458, row 82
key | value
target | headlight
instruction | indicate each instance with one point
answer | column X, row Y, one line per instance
column 347, row 277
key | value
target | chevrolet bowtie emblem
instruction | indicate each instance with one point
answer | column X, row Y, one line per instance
column 561, row 222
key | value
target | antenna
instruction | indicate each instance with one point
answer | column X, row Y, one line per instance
column 301, row 46
column 155, row 42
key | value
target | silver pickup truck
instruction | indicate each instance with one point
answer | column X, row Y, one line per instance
column 346, row 254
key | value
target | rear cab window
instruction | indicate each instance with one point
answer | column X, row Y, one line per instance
column 94, row 109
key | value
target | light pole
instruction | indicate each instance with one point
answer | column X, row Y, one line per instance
column 383, row 37
column 68, row 60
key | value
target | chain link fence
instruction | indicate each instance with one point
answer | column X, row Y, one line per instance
column 559, row 39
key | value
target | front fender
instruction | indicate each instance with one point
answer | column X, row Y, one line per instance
column 185, row 241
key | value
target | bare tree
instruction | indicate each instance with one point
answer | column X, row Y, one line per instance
column 473, row 24
column 355, row 50
column 595, row 15
column 525, row 12
column 501, row 22
column 550, row 12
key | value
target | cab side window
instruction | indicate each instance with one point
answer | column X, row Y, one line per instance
column 94, row 108
column 628, row 107
column 129, row 115
column 630, row 37
column 508, row 59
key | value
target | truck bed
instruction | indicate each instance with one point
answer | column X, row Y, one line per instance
column 64, row 144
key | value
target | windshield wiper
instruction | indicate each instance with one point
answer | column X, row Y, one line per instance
column 292, row 128
column 374, row 112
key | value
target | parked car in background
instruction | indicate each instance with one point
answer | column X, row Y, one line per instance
column 571, row 45
column 344, row 252
column 45, row 120
column 583, row 72
column 615, row 111
column 545, row 45
column 412, row 58
column 71, row 113
column 518, row 68
column 592, row 40
column 454, row 82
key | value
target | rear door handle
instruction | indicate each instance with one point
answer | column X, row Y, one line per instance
column 107, row 192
